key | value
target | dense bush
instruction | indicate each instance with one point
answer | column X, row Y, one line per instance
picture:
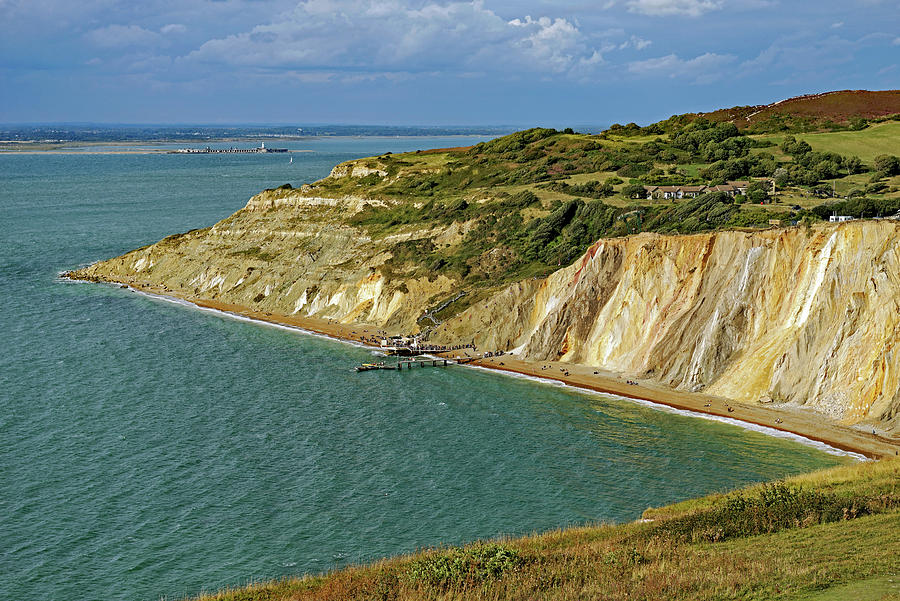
column 512, row 142
column 591, row 189
column 520, row 200
column 634, row 191
column 706, row 212
column 473, row 565
column 775, row 507
column 859, row 207
column 633, row 169
column 704, row 138
column 887, row 164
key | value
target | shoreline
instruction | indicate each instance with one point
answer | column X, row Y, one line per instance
column 793, row 421
column 71, row 152
column 21, row 147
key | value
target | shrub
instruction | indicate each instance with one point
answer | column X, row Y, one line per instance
column 775, row 507
column 859, row 207
column 633, row 170
column 476, row 564
column 522, row 199
column 887, row 164
column 634, row 191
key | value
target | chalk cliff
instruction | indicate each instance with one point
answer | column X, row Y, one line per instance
column 803, row 316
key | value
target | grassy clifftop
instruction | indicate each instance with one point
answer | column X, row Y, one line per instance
column 822, row 536
column 525, row 204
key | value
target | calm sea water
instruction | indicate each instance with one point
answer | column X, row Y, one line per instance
column 148, row 449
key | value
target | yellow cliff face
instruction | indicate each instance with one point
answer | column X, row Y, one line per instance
column 807, row 317
column 804, row 317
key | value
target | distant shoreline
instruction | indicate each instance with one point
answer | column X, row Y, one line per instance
column 33, row 147
column 101, row 152
column 793, row 421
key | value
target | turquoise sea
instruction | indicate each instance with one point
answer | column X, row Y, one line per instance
column 149, row 449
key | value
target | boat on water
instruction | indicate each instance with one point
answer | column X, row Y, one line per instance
column 373, row 366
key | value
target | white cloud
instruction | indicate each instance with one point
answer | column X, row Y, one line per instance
column 635, row 42
column 896, row 42
column 173, row 28
column 354, row 36
column 663, row 8
column 705, row 68
column 837, row 25
column 121, row 36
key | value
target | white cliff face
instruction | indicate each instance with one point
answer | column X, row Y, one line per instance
column 806, row 317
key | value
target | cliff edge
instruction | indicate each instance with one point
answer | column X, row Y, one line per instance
column 808, row 316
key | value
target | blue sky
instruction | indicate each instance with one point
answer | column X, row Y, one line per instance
column 431, row 61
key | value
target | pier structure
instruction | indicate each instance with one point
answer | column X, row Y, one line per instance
column 208, row 150
column 408, row 364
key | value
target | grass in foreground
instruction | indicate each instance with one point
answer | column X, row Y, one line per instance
column 827, row 535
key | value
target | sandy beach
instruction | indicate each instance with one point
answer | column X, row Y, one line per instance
column 793, row 420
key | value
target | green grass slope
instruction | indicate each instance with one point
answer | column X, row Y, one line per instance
column 833, row 534
column 527, row 203
column 877, row 139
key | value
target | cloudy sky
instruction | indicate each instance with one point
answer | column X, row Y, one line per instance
column 511, row 62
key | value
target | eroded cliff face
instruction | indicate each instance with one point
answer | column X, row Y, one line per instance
column 809, row 317
column 289, row 254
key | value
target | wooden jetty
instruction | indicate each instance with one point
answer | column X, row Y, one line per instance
column 409, row 364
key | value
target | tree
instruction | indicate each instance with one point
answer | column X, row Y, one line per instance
column 758, row 192
column 826, row 170
column 795, row 147
column 605, row 189
column 853, row 165
column 887, row 164
column 634, row 191
column 782, row 177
